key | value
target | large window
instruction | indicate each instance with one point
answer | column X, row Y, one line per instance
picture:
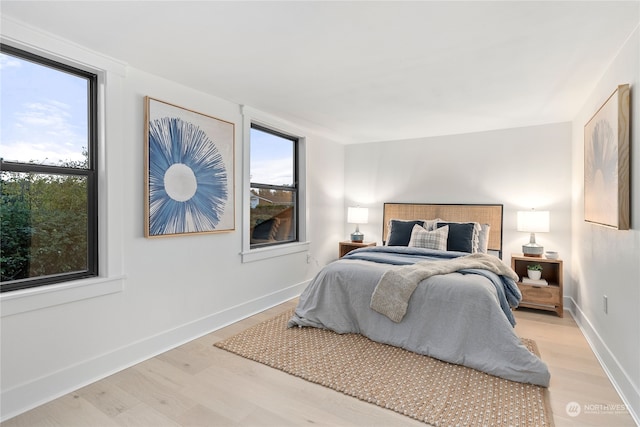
column 48, row 183
column 274, row 187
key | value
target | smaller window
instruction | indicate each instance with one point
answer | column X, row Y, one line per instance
column 274, row 187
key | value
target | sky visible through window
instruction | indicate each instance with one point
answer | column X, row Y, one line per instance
column 271, row 159
column 43, row 113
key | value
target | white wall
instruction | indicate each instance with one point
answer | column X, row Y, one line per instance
column 173, row 289
column 607, row 261
column 520, row 168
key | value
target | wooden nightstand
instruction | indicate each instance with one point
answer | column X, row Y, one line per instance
column 547, row 297
column 347, row 246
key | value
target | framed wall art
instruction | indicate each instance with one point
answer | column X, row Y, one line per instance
column 606, row 163
column 189, row 171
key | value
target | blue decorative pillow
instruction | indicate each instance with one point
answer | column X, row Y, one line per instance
column 461, row 236
column 400, row 231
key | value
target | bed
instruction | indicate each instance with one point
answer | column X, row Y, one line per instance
column 451, row 301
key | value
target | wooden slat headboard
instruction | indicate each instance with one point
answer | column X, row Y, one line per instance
column 484, row 214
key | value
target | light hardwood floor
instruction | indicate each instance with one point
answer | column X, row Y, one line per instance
column 197, row 384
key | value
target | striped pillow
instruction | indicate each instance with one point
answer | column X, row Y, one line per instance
column 436, row 239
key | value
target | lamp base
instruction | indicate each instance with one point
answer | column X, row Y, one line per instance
column 357, row 237
column 532, row 250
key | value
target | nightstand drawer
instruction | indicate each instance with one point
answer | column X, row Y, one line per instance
column 346, row 247
column 549, row 295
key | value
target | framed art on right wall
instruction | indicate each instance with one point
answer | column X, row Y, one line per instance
column 606, row 163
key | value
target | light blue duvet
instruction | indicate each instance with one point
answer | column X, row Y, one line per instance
column 456, row 317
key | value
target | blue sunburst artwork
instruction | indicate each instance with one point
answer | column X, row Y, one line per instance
column 188, row 180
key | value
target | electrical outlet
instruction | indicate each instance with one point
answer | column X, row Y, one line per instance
column 605, row 304
column 308, row 258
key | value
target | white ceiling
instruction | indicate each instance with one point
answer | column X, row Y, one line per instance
column 363, row 71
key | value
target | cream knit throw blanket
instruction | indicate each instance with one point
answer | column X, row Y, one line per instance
column 392, row 293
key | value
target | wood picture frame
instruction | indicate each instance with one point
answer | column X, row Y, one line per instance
column 606, row 163
column 189, row 171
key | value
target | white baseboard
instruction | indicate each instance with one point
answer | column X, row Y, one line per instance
column 628, row 392
column 30, row 395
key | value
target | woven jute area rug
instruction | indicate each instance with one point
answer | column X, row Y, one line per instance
column 420, row 387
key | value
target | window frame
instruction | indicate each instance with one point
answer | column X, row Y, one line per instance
column 272, row 124
column 90, row 173
column 294, row 189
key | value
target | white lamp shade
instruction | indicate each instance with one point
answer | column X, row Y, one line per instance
column 357, row 215
column 533, row 221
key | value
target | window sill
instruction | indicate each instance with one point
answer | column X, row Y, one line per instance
column 274, row 251
column 25, row 300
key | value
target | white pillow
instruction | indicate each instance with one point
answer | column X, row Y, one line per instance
column 483, row 238
column 435, row 239
column 430, row 224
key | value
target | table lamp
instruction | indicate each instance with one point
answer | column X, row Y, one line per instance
column 533, row 222
column 357, row 215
